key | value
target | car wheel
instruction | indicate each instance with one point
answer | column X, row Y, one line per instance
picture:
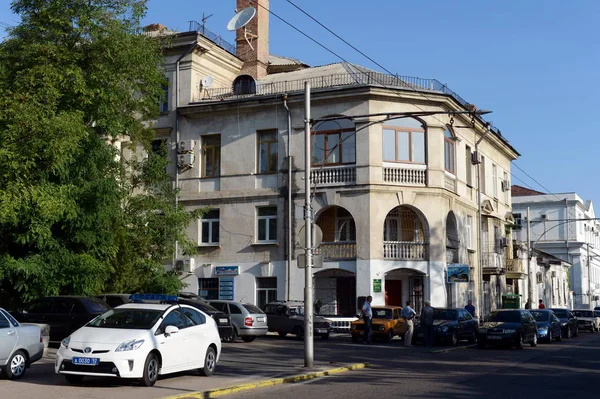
column 576, row 333
column 248, row 339
column 389, row 336
column 282, row 334
column 16, row 366
column 550, row 335
column 232, row 337
column 568, row 332
column 480, row 344
column 454, row 339
column 473, row 339
column 210, row 362
column 559, row 338
column 533, row 342
column 520, row 343
column 74, row 379
column 150, row 372
column 299, row 332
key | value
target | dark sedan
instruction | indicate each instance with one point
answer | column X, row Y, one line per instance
column 452, row 325
column 222, row 319
column 64, row 314
column 510, row 327
column 568, row 321
column 549, row 327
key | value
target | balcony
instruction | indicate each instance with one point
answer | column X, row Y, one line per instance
column 493, row 263
column 337, row 250
column 405, row 176
column 333, row 176
column 401, row 250
column 516, row 268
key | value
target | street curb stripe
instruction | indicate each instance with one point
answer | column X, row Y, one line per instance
column 213, row 393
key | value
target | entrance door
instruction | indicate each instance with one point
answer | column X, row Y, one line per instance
column 346, row 296
column 393, row 292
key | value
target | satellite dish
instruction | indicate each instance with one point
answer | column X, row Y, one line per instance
column 241, row 19
column 206, row 81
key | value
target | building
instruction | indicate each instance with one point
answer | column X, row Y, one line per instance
column 564, row 226
column 396, row 199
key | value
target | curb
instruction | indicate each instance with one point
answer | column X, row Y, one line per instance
column 453, row 349
column 213, row 393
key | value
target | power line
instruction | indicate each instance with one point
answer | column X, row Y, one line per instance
column 537, row 182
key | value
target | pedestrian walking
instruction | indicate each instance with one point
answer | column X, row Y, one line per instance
column 541, row 305
column 367, row 314
column 528, row 304
column 470, row 308
column 408, row 314
column 427, row 315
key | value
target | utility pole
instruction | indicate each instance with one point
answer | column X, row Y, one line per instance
column 529, row 257
column 308, row 286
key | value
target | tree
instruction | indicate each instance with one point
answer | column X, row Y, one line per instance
column 77, row 79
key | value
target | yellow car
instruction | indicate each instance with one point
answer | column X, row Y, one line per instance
column 387, row 323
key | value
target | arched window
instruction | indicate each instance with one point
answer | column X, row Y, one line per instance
column 404, row 141
column 244, row 84
column 449, row 152
column 334, row 142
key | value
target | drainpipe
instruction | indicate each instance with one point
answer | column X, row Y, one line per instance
column 289, row 198
column 177, row 134
column 479, row 242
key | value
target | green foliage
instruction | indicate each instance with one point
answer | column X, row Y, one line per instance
column 77, row 78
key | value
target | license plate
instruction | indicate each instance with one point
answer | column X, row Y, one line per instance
column 321, row 331
column 86, row 361
column 494, row 337
column 259, row 319
column 223, row 321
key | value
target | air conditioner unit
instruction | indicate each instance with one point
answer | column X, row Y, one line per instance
column 185, row 265
column 553, row 273
column 185, row 160
column 505, row 185
column 185, row 146
column 543, row 216
column 504, row 242
column 475, row 158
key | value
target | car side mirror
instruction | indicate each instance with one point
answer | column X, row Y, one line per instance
column 171, row 330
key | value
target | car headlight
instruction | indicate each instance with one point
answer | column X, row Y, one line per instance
column 129, row 345
column 483, row 330
column 564, row 324
column 543, row 329
column 381, row 328
column 65, row 342
column 445, row 329
column 509, row 331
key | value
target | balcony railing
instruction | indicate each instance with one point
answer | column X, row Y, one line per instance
column 337, row 250
column 493, row 261
column 328, row 176
column 516, row 267
column 405, row 176
column 403, row 250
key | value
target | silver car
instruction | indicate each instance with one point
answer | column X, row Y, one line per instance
column 20, row 346
column 248, row 320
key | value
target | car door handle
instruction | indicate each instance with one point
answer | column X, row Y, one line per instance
column 12, row 332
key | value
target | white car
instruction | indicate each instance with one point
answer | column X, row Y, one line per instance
column 587, row 319
column 141, row 341
column 20, row 346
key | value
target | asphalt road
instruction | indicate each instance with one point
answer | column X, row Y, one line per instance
column 560, row 369
column 570, row 368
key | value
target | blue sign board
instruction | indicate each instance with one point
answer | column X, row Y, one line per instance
column 458, row 273
column 226, row 288
column 227, row 271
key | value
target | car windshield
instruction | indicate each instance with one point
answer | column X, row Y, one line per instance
column 560, row 313
column 95, row 305
column 445, row 314
column 583, row 313
column 297, row 311
column 540, row 316
column 381, row 313
column 252, row 309
column 127, row 319
column 510, row 317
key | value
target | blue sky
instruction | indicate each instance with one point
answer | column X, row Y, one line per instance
column 535, row 63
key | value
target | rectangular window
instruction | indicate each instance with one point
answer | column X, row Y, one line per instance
column 494, row 181
column 333, row 147
column 267, row 151
column 403, row 145
column 518, row 221
column 208, row 288
column 468, row 166
column 209, row 227
column 507, row 190
column 469, row 231
column 211, row 155
column 266, row 290
column 164, row 99
column 449, row 153
column 267, row 224
column 345, row 229
column 482, row 174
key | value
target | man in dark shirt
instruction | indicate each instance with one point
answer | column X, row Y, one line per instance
column 427, row 316
column 470, row 308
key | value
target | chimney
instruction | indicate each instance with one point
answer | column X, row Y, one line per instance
column 255, row 60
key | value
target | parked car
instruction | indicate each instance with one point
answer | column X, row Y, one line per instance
column 248, row 320
column 114, row 300
column 141, row 341
column 587, row 319
column 287, row 317
column 549, row 327
column 386, row 324
column 568, row 322
column 20, row 346
column 511, row 327
column 222, row 319
column 64, row 314
column 451, row 325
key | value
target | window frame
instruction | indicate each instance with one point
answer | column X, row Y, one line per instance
column 410, row 131
column 449, row 150
column 210, row 289
column 339, row 148
column 469, row 231
column 268, row 291
column 269, row 239
column 211, row 226
column 469, row 166
column 214, row 157
column 271, row 145
column 163, row 102
column 495, row 180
